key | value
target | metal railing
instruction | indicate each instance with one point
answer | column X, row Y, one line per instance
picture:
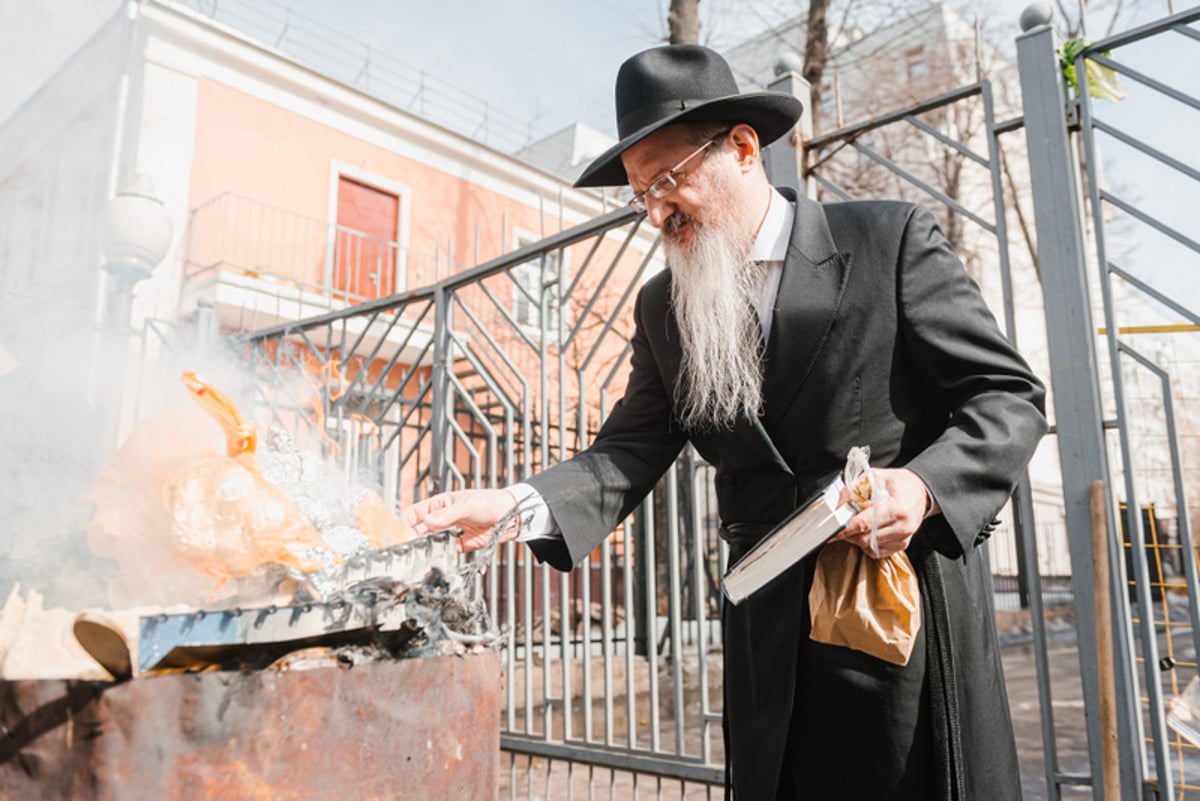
column 1121, row 406
column 609, row 675
column 299, row 257
column 953, row 153
column 347, row 60
column 1166, row 640
column 1147, row 391
column 609, row 669
column 454, row 385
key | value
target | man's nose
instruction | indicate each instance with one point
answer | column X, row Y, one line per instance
column 658, row 210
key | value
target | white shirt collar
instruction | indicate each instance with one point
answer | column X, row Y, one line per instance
column 776, row 230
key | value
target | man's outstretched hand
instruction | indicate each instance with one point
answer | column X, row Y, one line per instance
column 476, row 512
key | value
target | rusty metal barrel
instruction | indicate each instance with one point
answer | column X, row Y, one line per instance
column 407, row 728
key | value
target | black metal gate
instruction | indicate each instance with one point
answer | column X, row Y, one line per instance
column 612, row 672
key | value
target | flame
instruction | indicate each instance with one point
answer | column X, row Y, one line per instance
column 333, row 373
column 241, row 436
column 372, row 516
column 181, row 520
column 226, row 518
column 330, row 384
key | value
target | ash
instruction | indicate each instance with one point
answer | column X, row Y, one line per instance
column 445, row 609
column 417, row 598
column 443, row 615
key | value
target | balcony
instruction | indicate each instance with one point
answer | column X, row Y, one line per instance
column 261, row 266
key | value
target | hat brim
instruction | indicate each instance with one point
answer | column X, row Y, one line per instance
column 770, row 114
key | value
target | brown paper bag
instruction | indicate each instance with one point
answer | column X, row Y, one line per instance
column 870, row 605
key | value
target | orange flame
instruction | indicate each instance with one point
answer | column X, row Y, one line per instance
column 241, row 436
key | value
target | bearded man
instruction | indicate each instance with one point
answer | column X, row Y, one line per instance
column 784, row 333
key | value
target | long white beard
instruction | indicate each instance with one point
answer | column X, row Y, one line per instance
column 713, row 285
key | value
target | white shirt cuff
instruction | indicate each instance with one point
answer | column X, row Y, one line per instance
column 537, row 522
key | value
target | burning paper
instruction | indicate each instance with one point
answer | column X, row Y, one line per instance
column 177, row 517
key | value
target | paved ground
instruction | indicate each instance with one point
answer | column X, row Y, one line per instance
column 1067, row 703
column 542, row 780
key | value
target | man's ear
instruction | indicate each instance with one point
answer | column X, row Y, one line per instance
column 744, row 141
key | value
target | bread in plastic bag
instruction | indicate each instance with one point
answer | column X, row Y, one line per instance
column 168, row 507
column 859, row 602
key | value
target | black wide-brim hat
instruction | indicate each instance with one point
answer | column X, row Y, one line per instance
column 684, row 83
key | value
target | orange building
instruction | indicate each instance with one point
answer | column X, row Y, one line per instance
column 293, row 191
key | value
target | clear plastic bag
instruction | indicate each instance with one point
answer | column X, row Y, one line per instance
column 1183, row 712
column 180, row 518
column 856, row 601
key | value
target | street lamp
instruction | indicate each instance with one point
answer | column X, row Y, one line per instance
column 137, row 233
column 135, row 238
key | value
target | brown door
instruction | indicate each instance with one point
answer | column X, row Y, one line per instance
column 365, row 252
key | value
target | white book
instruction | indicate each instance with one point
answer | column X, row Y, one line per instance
column 802, row 532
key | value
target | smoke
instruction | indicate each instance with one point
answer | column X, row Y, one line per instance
column 68, row 392
column 53, row 170
column 79, row 401
column 73, row 375
column 75, row 379
column 48, row 451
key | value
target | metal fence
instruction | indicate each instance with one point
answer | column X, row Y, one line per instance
column 1125, row 388
column 1140, row 441
column 303, row 261
column 612, row 675
column 480, row 380
column 1108, row 460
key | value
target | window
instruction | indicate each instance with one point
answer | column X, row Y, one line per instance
column 536, row 284
column 918, row 67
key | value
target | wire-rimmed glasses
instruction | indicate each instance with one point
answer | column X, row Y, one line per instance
column 668, row 182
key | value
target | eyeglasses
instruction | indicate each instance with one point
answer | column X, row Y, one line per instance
column 667, row 183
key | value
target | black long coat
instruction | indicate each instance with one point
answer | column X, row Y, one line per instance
column 879, row 338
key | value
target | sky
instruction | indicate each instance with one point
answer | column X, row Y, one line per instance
column 548, row 63
column 550, row 60
column 543, row 63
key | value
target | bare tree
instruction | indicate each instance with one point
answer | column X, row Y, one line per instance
column 1074, row 22
column 816, row 51
column 683, row 20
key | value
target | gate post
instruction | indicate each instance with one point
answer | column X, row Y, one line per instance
column 1076, row 386
column 440, row 393
column 782, row 156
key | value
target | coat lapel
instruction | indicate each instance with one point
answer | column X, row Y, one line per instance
column 810, row 294
column 754, row 434
column 815, row 276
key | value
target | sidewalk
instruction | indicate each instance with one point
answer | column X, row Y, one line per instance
column 529, row 779
column 1067, row 699
column 1066, row 692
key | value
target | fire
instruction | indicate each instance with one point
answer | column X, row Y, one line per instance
column 158, row 510
column 241, row 437
column 314, row 404
column 164, row 504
